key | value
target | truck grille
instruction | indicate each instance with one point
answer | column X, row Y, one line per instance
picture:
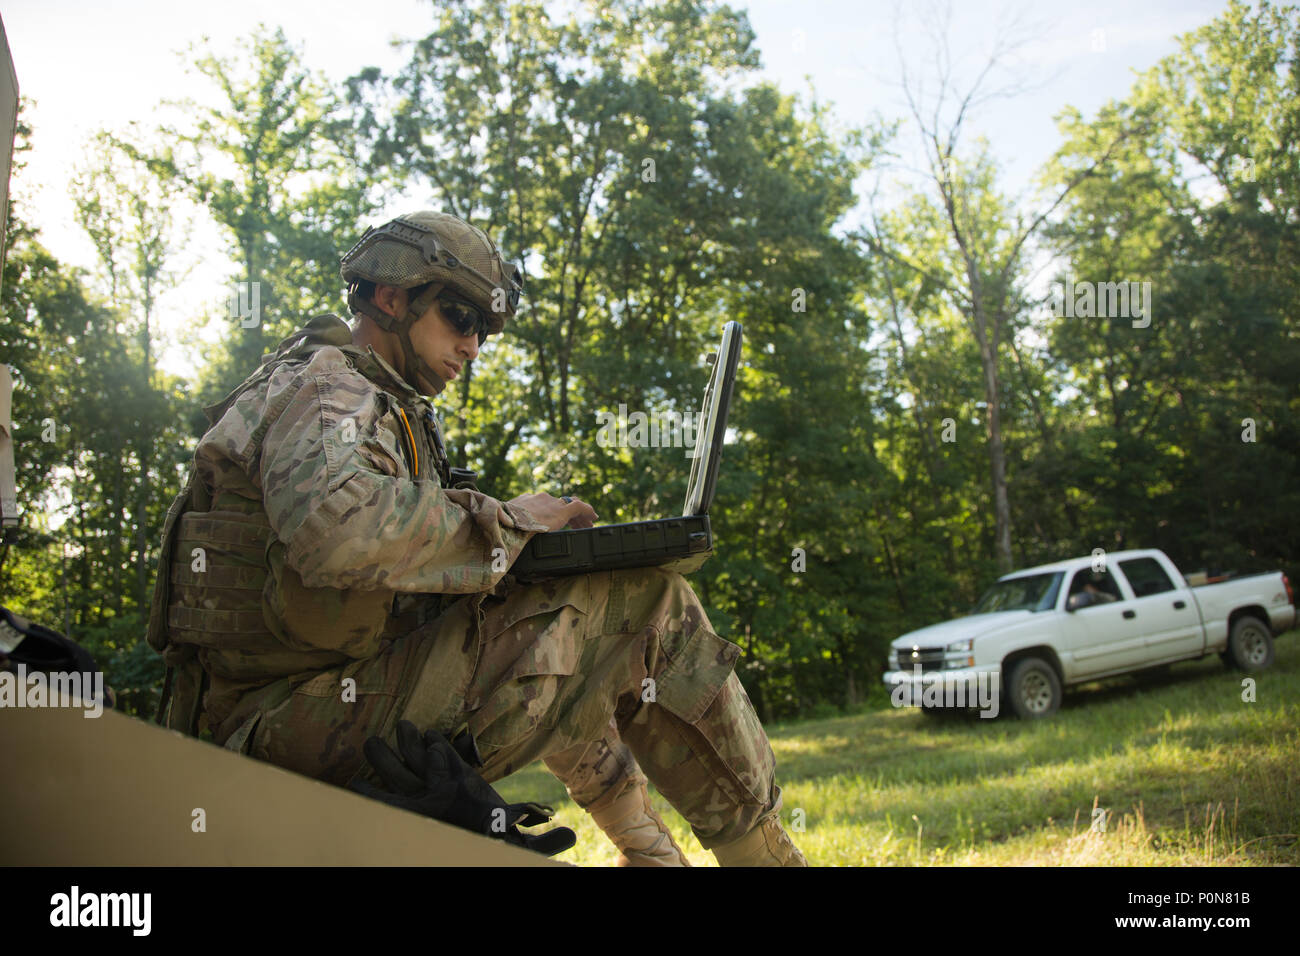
column 930, row 660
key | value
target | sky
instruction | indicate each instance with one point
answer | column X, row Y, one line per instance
column 93, row 64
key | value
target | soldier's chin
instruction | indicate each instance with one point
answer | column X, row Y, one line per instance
column 429, row 385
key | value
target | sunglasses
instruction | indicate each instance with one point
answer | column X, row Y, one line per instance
column 465, row 317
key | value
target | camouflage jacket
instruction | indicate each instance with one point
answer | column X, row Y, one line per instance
column 316, row 519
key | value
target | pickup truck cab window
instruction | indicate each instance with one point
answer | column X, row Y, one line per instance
column 1089, row 588
column 1146, row 576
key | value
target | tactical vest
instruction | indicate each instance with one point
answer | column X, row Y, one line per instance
column 228, row 614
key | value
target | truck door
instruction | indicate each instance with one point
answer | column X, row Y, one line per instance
column 1104, row 636
column 1171, row 623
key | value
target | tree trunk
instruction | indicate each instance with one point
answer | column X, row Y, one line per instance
column 142, row 556
column 997, row 454
column 115, row 550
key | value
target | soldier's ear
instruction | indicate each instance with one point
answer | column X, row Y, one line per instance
column 391, row 300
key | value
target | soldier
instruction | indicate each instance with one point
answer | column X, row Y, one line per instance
column 325, row 575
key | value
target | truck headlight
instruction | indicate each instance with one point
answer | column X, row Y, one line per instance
column 960, row 654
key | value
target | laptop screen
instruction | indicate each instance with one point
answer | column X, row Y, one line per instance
column 712, row 431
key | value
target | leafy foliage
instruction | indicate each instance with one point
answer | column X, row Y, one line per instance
column 655, row 187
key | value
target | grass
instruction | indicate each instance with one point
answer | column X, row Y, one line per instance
column 1186, row 771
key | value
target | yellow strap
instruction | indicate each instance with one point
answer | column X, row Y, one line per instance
column 415, row 454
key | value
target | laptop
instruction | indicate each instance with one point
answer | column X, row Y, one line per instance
column 679, row 544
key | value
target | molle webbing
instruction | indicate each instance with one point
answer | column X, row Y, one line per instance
column 218, row 579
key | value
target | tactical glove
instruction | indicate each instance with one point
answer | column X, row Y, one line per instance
column 432, row 779
column 42, row 650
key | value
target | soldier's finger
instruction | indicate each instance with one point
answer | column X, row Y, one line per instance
column 390, row 768
column 581, row 514
column 412, row 749
column 441, row 757
column 551, row 842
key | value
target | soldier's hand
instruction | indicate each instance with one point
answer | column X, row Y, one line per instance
column 556, row 513
column 432, row 779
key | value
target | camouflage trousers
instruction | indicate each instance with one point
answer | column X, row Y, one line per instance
column 603, row 676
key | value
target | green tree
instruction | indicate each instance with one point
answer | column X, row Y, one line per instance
column 654, row 189
column 1202, row 202
column 982, row 264
column 86, row 420
column 273, row 162
column 131, row 222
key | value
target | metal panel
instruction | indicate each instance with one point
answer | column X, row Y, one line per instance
column 117, row 791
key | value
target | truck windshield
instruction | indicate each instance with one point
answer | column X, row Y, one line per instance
column 1034, row 592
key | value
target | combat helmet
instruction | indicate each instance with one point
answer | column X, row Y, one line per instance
column 456, row 261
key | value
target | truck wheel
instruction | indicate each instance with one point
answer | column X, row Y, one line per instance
column 1250, row 645
column 1033, row 690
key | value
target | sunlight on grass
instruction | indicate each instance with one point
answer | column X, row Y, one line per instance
column 1185, row 772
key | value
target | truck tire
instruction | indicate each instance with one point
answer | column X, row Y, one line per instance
column 1250, row 645
column 1033, row 689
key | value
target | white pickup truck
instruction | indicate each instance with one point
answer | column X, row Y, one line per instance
column 1039, row 630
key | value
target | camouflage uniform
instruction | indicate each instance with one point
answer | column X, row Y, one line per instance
column 320, row 581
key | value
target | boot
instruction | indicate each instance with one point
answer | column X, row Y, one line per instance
column 766, row 845
column 640, row 834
